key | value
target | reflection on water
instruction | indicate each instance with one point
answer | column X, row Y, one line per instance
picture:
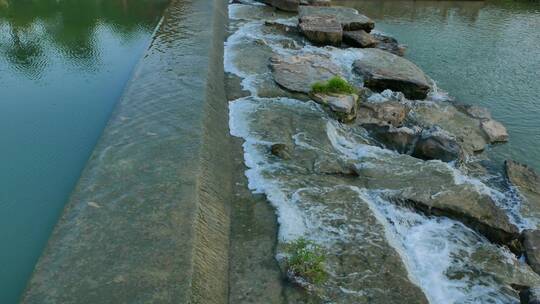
column 63, row 65
column 70, row 27
column 481, row 52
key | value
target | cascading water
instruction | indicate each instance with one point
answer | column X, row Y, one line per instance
column 378, row 252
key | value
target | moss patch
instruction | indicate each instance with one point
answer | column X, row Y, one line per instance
column 335, row 85
column 306, row 260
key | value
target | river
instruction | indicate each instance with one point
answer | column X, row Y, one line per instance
column 63, row 66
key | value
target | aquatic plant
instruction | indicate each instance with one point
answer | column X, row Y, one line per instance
column 306, row 261
column 336, row 85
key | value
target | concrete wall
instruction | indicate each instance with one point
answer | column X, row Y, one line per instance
column 149, row 219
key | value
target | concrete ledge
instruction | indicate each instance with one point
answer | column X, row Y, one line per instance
column 149, row 219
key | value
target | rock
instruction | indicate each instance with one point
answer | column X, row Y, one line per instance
column 401, row 139
column 389, row 44
column 477, row 112
column 382, row 70
column 360, row 39
column 495, row 131
column 281, row 150
column 343, row 105
column 299, row 73
column 284, row 5
column 530, row 295
column 465, row 129
column 531, row 245
column 465, row 204
column 316, row 2
column 321, row 29
column 349, row 18
column 437, row 147
column 527, row 181
column 286, row 28
column 382, row 113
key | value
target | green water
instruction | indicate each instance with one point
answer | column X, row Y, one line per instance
column 480, row 52
column 63, row 66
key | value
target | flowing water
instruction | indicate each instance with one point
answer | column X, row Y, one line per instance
column 377, row 251
column 63, row 66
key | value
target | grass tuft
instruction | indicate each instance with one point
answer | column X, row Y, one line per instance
column 306, row 260
column 336, row 85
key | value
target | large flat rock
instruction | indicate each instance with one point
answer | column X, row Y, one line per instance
column 321, row 29
column 382, row 70
column 349, row 18
column 299, row 73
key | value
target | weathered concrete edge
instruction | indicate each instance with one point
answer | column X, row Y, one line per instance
column 207, row 272
column 212, row 226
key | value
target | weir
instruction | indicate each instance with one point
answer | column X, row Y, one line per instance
column 149, row 218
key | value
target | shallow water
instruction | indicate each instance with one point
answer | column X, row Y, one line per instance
column 63, row 66
column 480, row 52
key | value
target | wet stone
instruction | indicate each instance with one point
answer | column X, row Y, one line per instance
column 495, row 131
column 527, row 181
column 402, row 140
column 281, row 150
column 321, row 29
column 299, row 73
column 284, row 5
column 437, row 147
column 349, row 18
column 382, row 113
column 343, row 105
column 360, row 39
column 531, row 245
column 465, row 129
column 382, row 70
column 389, row 44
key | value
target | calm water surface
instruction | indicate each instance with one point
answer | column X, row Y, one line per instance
column 480, row 52
column 63, row 65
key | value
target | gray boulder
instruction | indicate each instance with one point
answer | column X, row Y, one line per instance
column 477, row 112
column 299, row 73
column 284, row 5
column 281, row 150
column 321, row 29
column 360, row 39
column 389, row 44
column 437, row 147
column 349, row 18
column 465, row 129
column 495, row 131
column 382, row 113
column 382, row 70
column 531, row 245
column 402, row 140
column 345, row 106
column 527, row 181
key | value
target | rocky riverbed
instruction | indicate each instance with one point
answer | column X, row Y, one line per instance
column 389, row 181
